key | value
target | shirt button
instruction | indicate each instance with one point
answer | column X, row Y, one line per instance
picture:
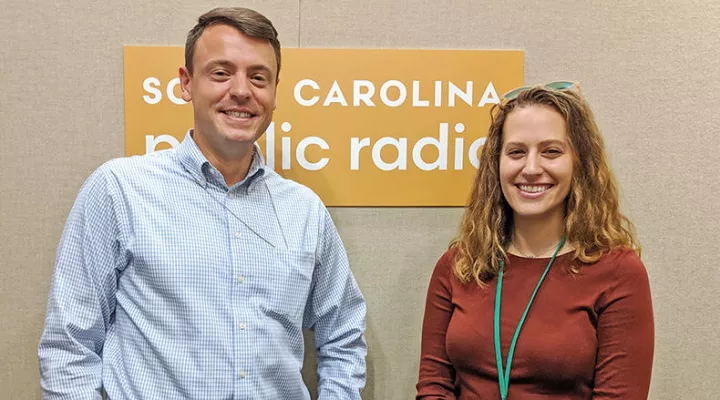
column 240, row 279
column 237, row 234
column 242, row 325
column 242, row 374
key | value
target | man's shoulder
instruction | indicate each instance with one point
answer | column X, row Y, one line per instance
column 158, row 160
column 150, row 169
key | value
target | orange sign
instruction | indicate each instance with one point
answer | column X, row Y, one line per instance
column 359, row 127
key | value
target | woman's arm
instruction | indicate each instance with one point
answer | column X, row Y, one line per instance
column 625, row 334
column 437, row 375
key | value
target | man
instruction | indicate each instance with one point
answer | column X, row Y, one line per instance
column 190, row 273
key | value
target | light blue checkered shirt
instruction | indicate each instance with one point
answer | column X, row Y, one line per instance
column 170, row 285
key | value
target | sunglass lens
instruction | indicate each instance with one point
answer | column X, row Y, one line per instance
column 560, row 85
column 515, row 92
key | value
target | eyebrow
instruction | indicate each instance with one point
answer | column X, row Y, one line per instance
column 261, row 67
column 543, row 143
column 218, row 63
column 230, row 65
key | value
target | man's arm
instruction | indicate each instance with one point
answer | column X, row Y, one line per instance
column 82, row 297
column 336, row 312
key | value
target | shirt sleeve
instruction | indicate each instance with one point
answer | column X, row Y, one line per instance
column 81, row 302
column 437, row 375
column 625, row 334
column 336, row 312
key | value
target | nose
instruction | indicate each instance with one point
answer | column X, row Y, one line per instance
column 240, row 88
column 532, row 165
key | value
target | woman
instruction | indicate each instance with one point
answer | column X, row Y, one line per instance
column 543, row 294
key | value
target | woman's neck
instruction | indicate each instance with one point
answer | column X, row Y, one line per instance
column 536, row 237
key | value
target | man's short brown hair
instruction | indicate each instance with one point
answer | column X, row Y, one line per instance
column 248, row 22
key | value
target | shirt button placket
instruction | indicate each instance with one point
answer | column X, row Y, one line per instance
column 239, row 281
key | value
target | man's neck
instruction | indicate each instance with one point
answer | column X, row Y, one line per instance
column 233, row 165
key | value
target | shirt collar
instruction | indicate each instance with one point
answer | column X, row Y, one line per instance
column 203, row 172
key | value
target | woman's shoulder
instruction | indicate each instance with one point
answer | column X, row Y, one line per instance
column 620, row 264
column 624, row 257
column 445, row 266
column 448, row 257
column 621, row 275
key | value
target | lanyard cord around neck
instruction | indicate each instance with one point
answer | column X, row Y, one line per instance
column 504, row 374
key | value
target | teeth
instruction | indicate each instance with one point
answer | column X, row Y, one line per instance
column 238, row 114
column 533, row 188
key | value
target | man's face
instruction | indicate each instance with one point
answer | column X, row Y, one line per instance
column 233, row 89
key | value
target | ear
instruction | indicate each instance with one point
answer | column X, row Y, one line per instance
column 185, row 78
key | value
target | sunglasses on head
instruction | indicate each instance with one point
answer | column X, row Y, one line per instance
column 559, row 86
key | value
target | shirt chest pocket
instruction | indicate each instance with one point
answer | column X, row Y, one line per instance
column 288, row 283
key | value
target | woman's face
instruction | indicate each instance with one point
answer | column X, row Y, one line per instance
column 536, row 162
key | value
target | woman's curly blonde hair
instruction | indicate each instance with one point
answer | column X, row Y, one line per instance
column 593, row 222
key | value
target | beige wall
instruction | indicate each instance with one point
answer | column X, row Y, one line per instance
column 651, row 70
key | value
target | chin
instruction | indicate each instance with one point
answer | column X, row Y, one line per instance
column 531, row 214
column 536, row 212
column 241, row 136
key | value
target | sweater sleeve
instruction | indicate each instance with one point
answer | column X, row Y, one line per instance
column 437, row 376
column 625, row 332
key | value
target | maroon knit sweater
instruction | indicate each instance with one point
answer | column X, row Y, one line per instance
column 588, row 335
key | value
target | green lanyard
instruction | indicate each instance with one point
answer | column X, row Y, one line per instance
column 504, row 375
